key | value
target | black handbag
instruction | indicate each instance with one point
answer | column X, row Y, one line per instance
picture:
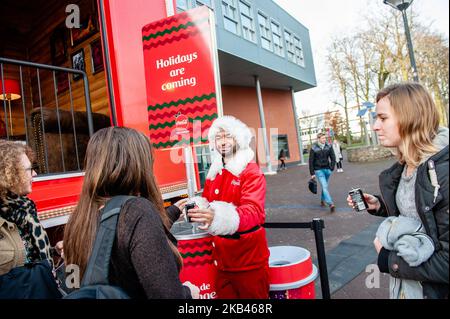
column 31, row 281
column 312, row 185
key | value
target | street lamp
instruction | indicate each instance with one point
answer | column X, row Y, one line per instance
column 402, row 5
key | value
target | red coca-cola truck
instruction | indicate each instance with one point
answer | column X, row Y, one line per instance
column 72, row 82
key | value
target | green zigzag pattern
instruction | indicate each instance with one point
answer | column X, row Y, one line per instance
column 185, row 101
column 196, row 254
column 172, row 123
column 173, row 29
column 182, row 142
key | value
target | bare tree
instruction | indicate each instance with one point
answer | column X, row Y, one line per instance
column 339, row 77
column 376, row 55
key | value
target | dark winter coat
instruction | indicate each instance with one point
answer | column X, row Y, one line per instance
column 434, row 273
column 321, row 158
column 142, row 262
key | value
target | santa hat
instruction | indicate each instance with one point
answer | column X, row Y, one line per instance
column 243, row 136
column 233, row 126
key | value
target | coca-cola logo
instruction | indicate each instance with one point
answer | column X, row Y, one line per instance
column 181, row 123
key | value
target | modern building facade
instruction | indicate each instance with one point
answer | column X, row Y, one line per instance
column 264, row 56
column 263, row 52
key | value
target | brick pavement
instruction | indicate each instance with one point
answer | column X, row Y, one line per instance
column 289, row 200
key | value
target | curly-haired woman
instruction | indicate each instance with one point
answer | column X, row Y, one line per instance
column 23, row 240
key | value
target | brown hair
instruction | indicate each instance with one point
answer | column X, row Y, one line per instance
column 118, row 161
column 320, row 135
column 13, row 175
column 418, row 120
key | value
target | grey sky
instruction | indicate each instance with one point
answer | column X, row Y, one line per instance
column 327, row 18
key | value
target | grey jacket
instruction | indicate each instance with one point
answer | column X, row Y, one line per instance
column 406, row 237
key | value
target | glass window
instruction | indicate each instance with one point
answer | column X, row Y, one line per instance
column 264, row 29
column 280, row 142
column 230, row 15
column 288, row 37
column 277, row 41
column 248, row 30
column 203, row 162
column 245, row 9
column 230, row 25
column 182, row 5
column 298, row 50
column 204, row 2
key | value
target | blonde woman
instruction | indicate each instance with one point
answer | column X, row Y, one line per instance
column 416, row 187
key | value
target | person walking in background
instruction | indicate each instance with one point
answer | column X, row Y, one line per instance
column 338, row 154
column 145, row 261
column 235, row 188
column 282, row 159
column 414, row 188
column 321, row 164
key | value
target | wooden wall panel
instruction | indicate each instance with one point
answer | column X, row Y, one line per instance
column 35, row 47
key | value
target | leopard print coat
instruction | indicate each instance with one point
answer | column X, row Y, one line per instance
column 21, row 211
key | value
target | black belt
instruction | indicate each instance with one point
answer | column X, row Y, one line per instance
column 237, row 235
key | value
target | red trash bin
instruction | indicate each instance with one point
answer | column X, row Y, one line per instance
column 196, row 247
column 292, row 273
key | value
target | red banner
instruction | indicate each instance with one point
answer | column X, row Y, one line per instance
column 181, row 74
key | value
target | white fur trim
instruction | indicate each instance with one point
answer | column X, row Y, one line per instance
column 236, row 165
column 226, row 219
column 216, row 165
column 233, row 126
column 200, row 202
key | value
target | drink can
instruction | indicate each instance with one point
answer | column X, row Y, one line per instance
column 359, row 203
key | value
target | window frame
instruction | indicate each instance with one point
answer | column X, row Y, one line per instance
column 191, row 4
column 300, row 59
column 233, row 20
column 180, row 9
column 286, row 30
column 280, row 29
column 200, row 154
column 277, row 137
column 268, row 28
column 251, row 18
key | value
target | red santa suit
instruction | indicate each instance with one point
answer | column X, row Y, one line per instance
column 237, row 193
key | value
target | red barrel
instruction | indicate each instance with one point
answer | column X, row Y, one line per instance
column 292, row 273
column 196, row 248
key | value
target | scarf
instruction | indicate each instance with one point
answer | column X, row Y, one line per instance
column 21, row 211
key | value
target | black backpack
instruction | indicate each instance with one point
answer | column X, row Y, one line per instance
column 95, row 284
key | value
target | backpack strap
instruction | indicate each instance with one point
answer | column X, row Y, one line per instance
column 97, row 270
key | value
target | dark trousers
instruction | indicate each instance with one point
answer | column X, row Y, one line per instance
column 339, row 164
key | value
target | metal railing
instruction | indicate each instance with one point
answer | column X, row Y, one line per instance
column 53, row 69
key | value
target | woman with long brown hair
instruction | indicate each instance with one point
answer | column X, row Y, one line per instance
column 412, row 243
column 145, row 262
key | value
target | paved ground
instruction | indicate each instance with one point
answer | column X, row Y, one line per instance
column 348, row 235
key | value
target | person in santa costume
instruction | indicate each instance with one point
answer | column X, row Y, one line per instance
column 232, row 209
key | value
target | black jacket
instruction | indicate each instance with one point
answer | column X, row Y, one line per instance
column 321, row 158
column 434, row 273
